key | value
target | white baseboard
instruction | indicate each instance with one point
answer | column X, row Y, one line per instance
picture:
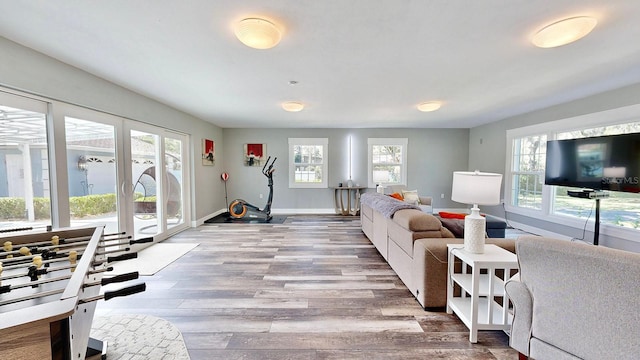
column 538, row 231
column 201, row 221
column 302, row 211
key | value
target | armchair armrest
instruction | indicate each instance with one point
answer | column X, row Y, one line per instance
column 522, row 314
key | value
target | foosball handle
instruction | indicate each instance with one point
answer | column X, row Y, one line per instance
column 122, row 257
column 120, row 278
column 126, row 291
column 141, row 241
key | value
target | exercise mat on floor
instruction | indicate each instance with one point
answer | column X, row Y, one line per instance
column 226, row 219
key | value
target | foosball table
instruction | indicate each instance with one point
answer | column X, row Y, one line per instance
column 50, row 282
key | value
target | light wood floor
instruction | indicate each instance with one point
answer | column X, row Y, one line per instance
column 311, row 288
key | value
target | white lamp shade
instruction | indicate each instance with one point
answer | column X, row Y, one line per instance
column 476, row 188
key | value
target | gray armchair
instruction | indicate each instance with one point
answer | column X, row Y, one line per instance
column 573, row 300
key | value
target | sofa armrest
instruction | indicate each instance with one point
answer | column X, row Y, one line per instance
column 425, row 200
column 522, row 314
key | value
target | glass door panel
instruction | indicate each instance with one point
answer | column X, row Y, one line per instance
column 174, row 181
column 147, row 197
column 92, row 173
column 25, row 200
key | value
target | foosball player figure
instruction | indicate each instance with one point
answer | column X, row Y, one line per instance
column 8, row 247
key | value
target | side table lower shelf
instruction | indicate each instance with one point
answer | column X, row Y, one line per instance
column 462, row 307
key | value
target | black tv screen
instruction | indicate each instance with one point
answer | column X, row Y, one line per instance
column 598, row 163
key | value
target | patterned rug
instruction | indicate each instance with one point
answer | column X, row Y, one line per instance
column 139, row 337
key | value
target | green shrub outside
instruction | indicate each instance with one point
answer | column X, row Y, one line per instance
column 80, row 206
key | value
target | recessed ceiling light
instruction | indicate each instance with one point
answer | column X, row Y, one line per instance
column 564, row 31
column 429, row 106
column 258, row 33
column 292, row 106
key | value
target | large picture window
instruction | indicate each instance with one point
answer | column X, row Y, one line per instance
column 308, row 162
column 387, row 161
column 527, row 193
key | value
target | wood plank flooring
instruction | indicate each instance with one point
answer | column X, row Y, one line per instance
column 311, row 288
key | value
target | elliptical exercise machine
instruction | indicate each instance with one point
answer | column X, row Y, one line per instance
column 240, row 209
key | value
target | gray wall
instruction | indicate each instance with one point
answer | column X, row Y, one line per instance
column 24, row 69
column 433, row 155
column 487, row 151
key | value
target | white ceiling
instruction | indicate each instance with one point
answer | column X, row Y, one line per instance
column 359, row 63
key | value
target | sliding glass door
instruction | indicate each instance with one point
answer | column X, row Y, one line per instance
column 158, row 178
column 92, row 173
column 87, row 167
column 25, row 200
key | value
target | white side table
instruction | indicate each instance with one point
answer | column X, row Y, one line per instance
column 476, row 306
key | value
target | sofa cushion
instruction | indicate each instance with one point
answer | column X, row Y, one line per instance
column 456, row 226
column 416, row 220
column 411, row 196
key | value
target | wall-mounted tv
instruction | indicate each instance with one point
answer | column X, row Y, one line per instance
column 598, row 163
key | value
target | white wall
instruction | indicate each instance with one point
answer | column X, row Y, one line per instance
column 487, row 151
column 24, row 69
column 433, row 155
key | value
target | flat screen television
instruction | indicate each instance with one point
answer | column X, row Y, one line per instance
column 596, row 163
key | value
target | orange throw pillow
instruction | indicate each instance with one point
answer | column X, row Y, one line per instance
column 397, row 196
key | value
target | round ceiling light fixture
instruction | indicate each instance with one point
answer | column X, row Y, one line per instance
column 292, row 106
column 564, row 31
column 429, row 106
column 258, row 33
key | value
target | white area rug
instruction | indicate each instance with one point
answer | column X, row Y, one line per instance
column 139, row 337
column 152, row 259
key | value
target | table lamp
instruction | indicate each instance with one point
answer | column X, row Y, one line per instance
column 475, row 188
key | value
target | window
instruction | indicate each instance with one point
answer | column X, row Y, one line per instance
column 527, row 171
column 308, row 162
column 527, row 193
column 387, row 161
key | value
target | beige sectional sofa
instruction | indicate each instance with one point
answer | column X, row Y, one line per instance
column 414, row 244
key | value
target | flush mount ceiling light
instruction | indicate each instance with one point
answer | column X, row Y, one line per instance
column 292, row 106
column 429, row 106
column 564, row 31
column 258, row 33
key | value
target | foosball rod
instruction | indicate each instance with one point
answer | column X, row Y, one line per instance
column 50, row 256
column 50, row 270
column 108, row 295
column 48, row 246
column 107, row 260
column 56, row 239
column 105, row 281
column 134, row 289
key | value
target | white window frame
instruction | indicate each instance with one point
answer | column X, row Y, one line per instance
column 621, row 115
column 324, row 142
column 402, row 142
